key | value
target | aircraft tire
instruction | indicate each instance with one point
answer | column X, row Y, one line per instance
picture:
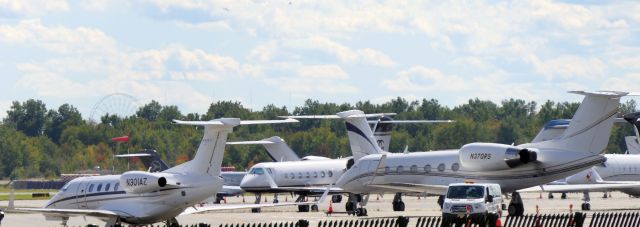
column 314, row 208
column 512, row 210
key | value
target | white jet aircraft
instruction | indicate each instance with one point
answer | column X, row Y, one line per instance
column 513, row 167
column 620, row 171
column 307, row 176
column 139, row 197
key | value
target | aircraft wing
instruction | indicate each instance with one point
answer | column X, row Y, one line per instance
column 600, row 187
column 204, row 209
column 410, row 187
column 103, row 214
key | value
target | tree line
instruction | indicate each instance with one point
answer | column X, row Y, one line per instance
column 38, row 142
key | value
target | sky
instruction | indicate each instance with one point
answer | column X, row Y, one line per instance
column 191, row 53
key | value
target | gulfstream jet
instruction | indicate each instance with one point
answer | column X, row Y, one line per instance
column 513, row 167
column 139, row 197
column 620, row 172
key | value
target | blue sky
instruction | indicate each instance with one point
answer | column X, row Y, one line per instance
column 190, row 53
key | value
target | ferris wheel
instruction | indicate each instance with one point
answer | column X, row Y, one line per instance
column 119, row 104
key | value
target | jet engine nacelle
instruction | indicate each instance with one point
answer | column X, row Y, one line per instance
column 492, row 156
column 136, row 182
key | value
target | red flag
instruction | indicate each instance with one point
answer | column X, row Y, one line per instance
column 120, row 139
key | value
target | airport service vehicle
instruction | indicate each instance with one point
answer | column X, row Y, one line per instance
column 619, row 172
column 479, row 202
column 513, row 167
column 139, row 197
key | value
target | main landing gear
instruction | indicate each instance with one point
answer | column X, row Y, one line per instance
column 398, row 204
column 306, row 208
column 351, row 206
column 516, row 207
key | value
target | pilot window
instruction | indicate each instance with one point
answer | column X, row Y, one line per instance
column 99, row 188
column 269, row 170
column 106, row 188
column 257, row 171
column 91, row 188
column 65, row 187
column 115, row 187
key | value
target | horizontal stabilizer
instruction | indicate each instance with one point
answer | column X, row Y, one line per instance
column 333, row 116
column 410, row 121
column 228, row 121
column 258, row 142
column 132, row 155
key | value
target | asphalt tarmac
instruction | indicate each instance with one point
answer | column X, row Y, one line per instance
column 378, row 207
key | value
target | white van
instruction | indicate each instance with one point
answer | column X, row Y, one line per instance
column 480, row 203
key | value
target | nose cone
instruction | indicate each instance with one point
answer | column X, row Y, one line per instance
column 250, row 181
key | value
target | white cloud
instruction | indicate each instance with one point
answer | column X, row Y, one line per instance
column 420, row 78
column 342, row 52
column 31, row 8
column 57, row 39
column 327, row 72
column 571, row 67
column 627, row 82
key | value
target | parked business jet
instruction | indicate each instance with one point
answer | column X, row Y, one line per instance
column 307, row 176
column 140, row 197
column 513, row 167
column 620, row 172
column 153, row 163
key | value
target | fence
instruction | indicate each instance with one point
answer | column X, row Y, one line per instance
column 577, row 219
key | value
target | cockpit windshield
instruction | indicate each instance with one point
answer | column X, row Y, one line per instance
column 66, row 186
column 257, row 171
column 465, row 192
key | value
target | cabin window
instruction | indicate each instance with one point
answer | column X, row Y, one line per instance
column 427, row 168
column 387, row 169
column 315, row 174
column 99, row 188
column 441, row 167
column 293, row 175
column 414, row 168
column 91, row 188
column 322, row 174
column 400, row 169
column 330, row 173
column 115, row 187
column 106, row 188
column 455, row 167
column 299, row 175
column 308, row 175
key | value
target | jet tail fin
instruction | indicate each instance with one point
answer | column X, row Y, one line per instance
column 276, row 147
column 208, row 158
column 590, row 127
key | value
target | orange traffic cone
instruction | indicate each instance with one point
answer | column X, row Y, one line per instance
column 225, row 200
column 498, row 223
column 330, row 210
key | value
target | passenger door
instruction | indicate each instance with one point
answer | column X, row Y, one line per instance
column 81, row 192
